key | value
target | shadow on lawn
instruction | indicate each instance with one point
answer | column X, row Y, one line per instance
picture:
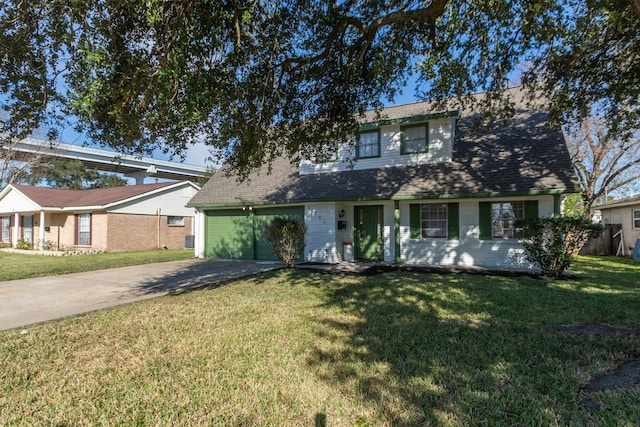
column 205, row 273
column 438, row 349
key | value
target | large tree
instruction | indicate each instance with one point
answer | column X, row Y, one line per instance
column 260, row 78
column 604, row 164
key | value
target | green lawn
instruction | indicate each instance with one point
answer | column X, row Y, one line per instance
column 304, row 348
column 20, row 266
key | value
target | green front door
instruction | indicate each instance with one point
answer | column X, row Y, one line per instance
column 368, row 232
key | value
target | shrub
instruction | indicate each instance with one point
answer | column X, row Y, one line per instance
column 286, row 237
column 23, row 244
column 551, row 242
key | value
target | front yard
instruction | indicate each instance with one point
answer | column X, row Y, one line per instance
column 21, row 266
column 305, row 348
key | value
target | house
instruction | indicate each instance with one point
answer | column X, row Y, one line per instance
column 425, row 187
column 135, row 217
column 626, row 213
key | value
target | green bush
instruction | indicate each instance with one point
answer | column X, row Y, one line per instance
column 23, row 244
column 551, row 242
column 286, row 237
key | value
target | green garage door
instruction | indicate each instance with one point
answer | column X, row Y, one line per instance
column 229, row 234
column 264, row 252
column 238, row 234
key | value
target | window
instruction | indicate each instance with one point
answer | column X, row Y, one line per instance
column 497, row 219
column 6, row 227
column 636, row 218
column 504, row 216
column 434, row 220
column 83, row 224
column 414, row 139
column 27, row 228
column 175, row 221
column 368, row 145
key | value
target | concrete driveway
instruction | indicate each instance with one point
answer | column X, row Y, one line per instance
column 28, row 301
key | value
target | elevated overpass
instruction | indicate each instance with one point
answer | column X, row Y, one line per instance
column 135, row 167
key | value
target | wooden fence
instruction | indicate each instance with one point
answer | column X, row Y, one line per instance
column 606, row 244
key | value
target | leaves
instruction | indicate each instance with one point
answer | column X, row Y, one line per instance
column 257, row 79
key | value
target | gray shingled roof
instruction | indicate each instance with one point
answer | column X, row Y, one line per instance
column 523, row 156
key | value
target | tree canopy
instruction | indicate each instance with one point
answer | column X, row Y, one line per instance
column 256, row 79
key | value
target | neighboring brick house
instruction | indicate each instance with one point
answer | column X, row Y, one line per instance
column 424, row 187
column 136, row 217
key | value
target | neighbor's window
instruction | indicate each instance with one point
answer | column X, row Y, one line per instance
column 504, row 216
column 368, row 145
column 636, row 218
column 6, row 226
column 433, row 220
column 414, row 139
column 175, row 220
column 83, row 222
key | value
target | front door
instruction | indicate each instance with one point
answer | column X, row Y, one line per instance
column 368, row 232
column 27, row 228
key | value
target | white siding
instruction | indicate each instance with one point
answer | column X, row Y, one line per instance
column 440, row 150
column 171, row 202
column 321, row 220
column 469, row 250
column 16, row 202
column 325, row 241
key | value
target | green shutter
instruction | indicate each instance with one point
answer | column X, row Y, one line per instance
column 415, row 222
column 485, row 220
column 453, row 221
column 531, row 209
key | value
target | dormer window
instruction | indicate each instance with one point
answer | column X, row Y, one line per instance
column 415, row 139
column 368, row 145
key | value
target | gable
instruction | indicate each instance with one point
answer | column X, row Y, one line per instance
column 169, row 202
column 15, row 201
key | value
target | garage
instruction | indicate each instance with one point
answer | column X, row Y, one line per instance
column 238, row 233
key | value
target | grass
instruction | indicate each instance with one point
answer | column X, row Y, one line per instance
column 20, row 266
column 303, row 348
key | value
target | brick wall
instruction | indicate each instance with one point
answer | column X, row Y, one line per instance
column 127, row 232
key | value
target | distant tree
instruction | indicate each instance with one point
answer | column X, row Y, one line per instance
column 207, row 175
column 603, row 163
column 14, row 164
column 70, row 175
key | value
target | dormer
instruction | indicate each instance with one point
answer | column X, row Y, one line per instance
column 407, row 141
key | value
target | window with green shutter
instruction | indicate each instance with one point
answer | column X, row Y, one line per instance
column 434, row 220
column 498, row 219
column 368, row 145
